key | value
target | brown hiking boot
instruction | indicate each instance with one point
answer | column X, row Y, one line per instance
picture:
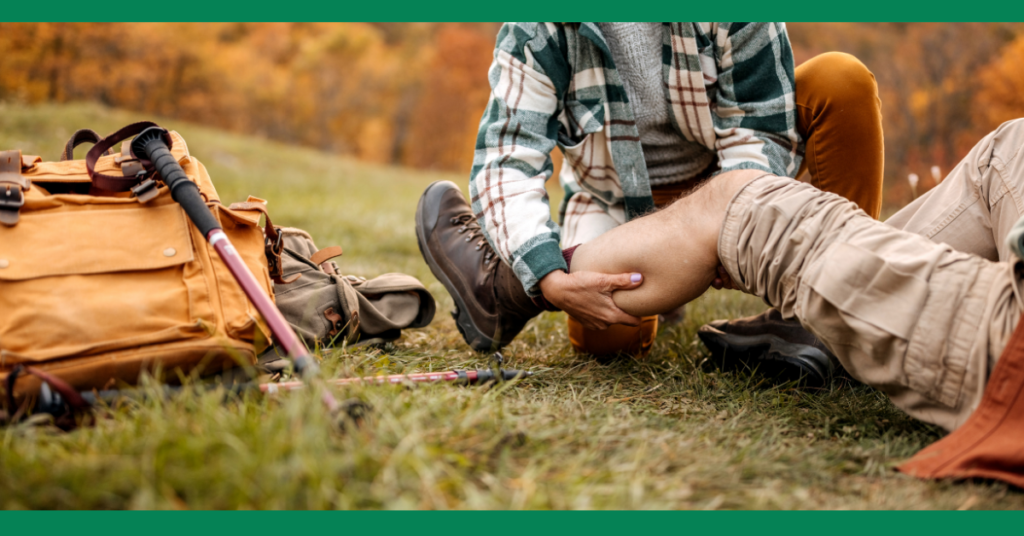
column 781, row 349
column 491, row 306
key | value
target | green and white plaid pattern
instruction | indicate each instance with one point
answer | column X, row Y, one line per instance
column 730, row 86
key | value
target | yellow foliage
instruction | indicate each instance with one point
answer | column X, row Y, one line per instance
column 1000, row 95
column 413, row 93
column 347, row 87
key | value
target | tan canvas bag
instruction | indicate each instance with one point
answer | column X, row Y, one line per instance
column 327, row 308
column 96, row 287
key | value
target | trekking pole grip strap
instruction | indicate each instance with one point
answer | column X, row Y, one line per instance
column 114, row 183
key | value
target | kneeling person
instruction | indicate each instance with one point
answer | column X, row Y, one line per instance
column 638, row 128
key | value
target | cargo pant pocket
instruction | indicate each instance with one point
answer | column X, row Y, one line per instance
column 865, row 309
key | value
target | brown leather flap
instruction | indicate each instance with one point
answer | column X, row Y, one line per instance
column 325, row 254
column 94, row 241
column 29, row 161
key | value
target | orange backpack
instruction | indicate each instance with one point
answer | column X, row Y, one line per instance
column 97, row 287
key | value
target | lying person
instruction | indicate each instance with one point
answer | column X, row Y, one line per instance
column 921, row 307
column 642, row 112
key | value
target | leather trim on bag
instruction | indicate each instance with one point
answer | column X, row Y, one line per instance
column 12, row 187
column 325, row 254
column 274, row 242
column 113, row 183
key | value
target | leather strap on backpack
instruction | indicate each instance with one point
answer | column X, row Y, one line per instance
column 322, row 258
column 273, row 243
column 12, row 187
column 85, row 135
column 112, row 183
column 68, row 394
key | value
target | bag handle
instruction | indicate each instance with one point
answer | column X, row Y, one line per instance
column 113, row 183
column 85, row 135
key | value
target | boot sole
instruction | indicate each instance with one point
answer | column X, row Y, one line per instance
column 769, row 355
column 473, row 336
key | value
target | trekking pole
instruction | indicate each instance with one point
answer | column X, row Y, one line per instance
column 53, row 400
column 455, row 376
column 150, row 145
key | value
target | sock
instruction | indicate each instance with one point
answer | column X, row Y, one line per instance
column 567, row 255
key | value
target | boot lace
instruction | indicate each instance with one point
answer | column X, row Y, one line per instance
column 468, row 224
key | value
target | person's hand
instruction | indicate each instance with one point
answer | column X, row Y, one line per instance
column 722, row 280
column 587, row 296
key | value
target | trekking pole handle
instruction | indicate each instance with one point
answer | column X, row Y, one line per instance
column 150, row 145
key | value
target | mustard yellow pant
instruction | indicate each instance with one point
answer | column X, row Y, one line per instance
column 839, row 116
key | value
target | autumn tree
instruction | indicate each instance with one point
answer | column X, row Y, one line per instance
column 1000, row 95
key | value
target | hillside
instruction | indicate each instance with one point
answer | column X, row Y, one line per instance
column 662, row 433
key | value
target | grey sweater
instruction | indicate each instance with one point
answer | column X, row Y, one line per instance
column 636, row 50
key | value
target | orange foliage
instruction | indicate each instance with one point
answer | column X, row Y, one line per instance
column 396, row 93
column 928, row 76
column 413, row 93
column 455, row 92
column 1000, row 95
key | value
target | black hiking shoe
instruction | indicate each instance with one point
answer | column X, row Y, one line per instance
column 780, row 349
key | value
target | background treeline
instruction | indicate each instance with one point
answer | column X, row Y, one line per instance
column 412, row 94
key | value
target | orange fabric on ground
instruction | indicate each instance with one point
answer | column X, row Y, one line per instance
column 839, row 116
column 989, row 444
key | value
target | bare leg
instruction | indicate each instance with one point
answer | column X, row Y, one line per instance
column 676, row 249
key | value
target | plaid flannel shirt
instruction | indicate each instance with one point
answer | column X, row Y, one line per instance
column 730, row 87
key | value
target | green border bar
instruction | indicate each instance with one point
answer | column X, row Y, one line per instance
column 481, row 11
column 512, row 523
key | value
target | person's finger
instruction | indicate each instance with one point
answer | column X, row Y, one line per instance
column 716, row 283
column 622, row 281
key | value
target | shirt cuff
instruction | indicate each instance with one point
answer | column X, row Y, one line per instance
column 540, row 260
column 749, row 165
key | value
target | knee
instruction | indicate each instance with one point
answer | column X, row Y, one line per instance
column 1007, row 141
column 1013, row 127
column 836, row 78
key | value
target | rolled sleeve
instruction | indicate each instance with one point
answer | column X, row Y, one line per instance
column 755, row 106
column 512, row 161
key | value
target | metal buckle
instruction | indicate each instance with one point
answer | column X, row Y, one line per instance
column 10, row 204
column 130, row 166
column 145, row 191
column 279, row 244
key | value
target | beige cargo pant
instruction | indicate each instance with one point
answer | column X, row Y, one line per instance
column 919, row 307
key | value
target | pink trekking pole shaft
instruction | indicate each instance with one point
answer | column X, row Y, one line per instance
column 150, row 145
column 455, row 376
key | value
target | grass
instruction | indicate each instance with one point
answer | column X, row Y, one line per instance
column 661, row 433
